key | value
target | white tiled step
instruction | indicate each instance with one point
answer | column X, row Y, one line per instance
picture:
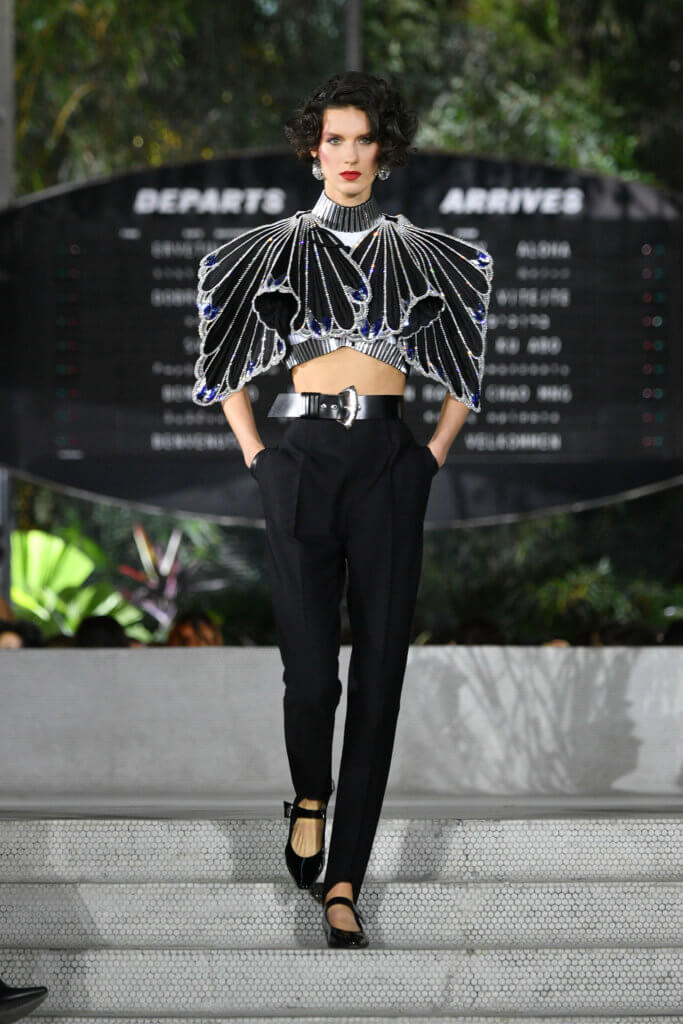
column 449, row 1019
column 242, row 849
column 398, row 915
column 241, row 982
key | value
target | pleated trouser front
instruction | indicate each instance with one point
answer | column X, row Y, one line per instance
column 344, row 506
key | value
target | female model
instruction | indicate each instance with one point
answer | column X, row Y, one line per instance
column 350, row 299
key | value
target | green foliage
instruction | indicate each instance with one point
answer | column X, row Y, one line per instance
column 51, row 586
column 217, row 570
column 563, row 575
column 117, row 85
column 112, row 85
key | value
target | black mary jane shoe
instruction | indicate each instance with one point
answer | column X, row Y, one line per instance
column 17, row 1002
column 304, row 870
column 339, row 938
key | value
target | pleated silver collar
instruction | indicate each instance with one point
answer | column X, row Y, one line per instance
column 346, row 218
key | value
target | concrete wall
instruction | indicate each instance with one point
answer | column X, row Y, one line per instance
column 484, row 729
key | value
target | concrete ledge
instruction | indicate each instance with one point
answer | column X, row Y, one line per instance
column 485, row 729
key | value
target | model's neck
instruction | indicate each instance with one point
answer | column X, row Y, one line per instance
column 341, row 217
column 338, row 195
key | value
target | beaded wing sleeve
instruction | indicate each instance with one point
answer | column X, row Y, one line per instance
column 235, row 345
column 257, row 288
column 437, row 286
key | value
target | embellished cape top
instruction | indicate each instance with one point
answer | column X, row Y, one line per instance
column 425, row 290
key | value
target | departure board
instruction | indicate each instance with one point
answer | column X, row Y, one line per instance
column 583, row 364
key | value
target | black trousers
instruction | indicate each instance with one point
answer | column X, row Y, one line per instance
column 344, row 506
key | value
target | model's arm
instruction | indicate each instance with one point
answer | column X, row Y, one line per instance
column 240, row 416
column 453, row 415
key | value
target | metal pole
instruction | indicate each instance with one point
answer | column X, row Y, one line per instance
column 6, row 102
column 6, row 197
column 354, row 35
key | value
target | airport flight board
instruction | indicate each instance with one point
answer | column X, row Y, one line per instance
column 581, row 392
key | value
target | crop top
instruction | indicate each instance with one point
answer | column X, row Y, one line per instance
column 298, row 287
column 301, row 347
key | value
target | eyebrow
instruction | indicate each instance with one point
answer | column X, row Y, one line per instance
column 330, row 131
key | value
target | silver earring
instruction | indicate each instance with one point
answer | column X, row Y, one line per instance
column 316, row 170
column 384, row 172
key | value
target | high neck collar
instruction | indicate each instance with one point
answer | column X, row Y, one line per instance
column 346, row 218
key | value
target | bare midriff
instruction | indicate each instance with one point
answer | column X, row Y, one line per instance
column 334, row 371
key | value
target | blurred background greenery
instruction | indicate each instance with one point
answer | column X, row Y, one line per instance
column 114, row 85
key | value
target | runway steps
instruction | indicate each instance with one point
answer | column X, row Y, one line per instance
column 519, row 919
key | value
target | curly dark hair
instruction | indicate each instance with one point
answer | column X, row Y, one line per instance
column 392, row 123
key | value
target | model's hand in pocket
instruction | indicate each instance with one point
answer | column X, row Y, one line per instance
column 436, row 458
column 252, row 461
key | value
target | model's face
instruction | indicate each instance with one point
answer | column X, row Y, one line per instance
column 346, row 144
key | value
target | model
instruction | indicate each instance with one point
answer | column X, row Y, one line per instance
column 349, row 299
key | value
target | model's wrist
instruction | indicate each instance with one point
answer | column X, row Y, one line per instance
column 249, row 453
column 439, row 451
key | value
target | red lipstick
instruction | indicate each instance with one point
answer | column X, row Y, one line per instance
column 351, row 175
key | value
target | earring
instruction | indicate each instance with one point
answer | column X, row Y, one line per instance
column 384, row 172
column 316, row 169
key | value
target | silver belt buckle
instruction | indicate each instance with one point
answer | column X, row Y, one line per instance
column 349, row 403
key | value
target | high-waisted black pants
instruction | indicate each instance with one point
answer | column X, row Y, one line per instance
column 340, row 501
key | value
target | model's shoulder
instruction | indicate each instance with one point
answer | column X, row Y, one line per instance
column 254, row 238
column 401, row 221
column 441, row 240
column 282, row 224
column 405, row 225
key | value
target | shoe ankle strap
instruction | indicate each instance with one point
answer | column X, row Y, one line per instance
column 294, row 811
column 340, row 899
column 308, row 812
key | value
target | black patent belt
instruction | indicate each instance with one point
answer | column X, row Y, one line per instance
column 345, row 406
